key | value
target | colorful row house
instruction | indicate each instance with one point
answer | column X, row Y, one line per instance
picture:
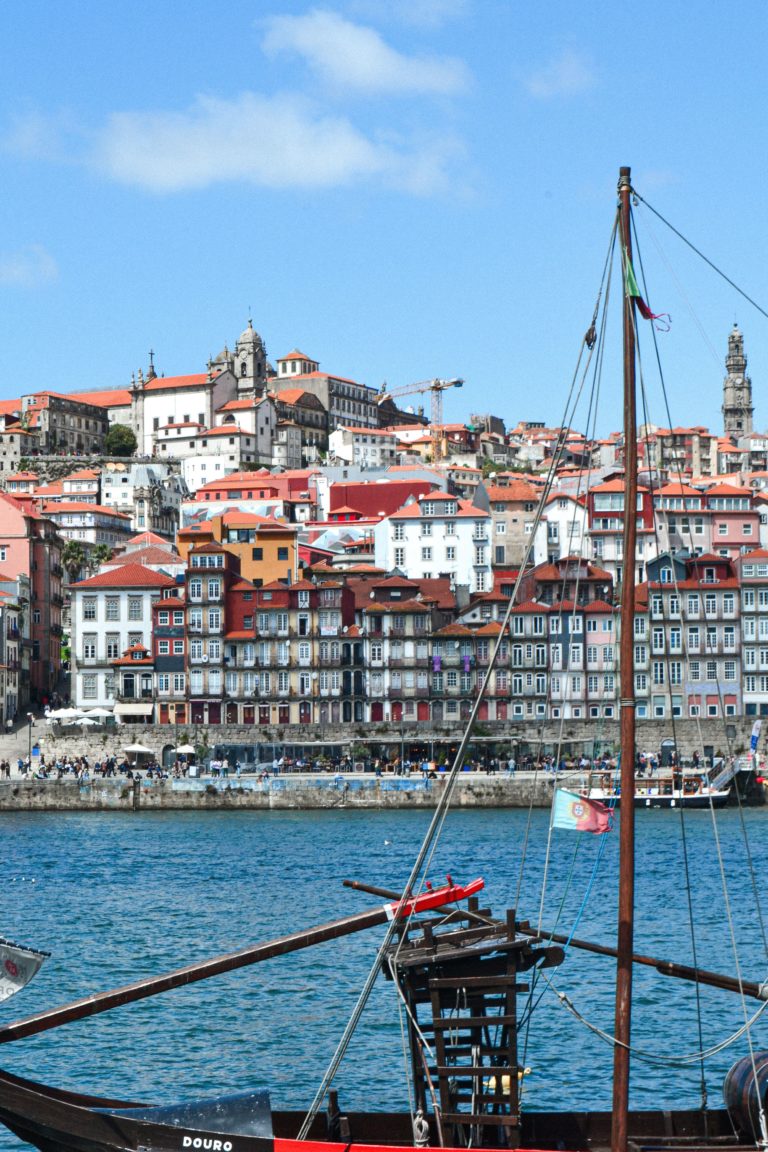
column 211, row 647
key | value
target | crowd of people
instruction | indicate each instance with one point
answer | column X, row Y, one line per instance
column 83, row 767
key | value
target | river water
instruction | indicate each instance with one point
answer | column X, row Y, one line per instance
column 119, row 896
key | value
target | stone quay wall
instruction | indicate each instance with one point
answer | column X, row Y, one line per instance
column 353, row 791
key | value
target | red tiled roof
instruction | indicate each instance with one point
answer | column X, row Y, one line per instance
column 293, row 395
column 84, row 474
column 322, row 376
column 128, row 576
column 677, row 488
column 727, row 490
column 396, row 606
column 242, row 585
column 239, row 405
column 171, row 383
column 62, row 506
column 227, row 430
column 614, row 486
column 517, row 490
column 148, row 538
column 396, row 582
column 149, row 555
column 454, row 630
column 109, row 398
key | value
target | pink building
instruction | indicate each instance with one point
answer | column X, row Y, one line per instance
column 31, row 546
column 735, row 522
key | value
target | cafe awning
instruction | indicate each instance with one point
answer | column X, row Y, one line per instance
column 134, row 709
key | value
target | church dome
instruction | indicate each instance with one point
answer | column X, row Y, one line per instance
column 250, row 336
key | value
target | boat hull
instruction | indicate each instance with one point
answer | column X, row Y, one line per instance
column 59, row 1121
column 665, row 800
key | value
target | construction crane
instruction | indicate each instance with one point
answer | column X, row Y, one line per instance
column 435, row 389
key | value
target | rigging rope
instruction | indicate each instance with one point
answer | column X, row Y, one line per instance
column 700, row 254
column 654, row 1057
column 442, row 807
column 747, row 1022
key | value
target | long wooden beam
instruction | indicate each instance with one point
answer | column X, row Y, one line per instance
column 205, row 969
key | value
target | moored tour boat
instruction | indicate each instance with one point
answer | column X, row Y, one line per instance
column 666, row 790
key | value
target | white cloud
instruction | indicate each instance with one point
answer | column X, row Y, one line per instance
column 567, row 75
column 417, row 13
column 272, row 142
column 352, row 56
column 28, row 267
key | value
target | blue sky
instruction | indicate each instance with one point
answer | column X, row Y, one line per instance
column 401, row 188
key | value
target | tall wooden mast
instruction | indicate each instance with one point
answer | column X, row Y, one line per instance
column 625, row 941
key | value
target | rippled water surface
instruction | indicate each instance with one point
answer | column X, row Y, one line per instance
column 117, row 897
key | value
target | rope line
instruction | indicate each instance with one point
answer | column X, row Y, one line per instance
column 700, row 254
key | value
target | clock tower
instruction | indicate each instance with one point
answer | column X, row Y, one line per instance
column 737, row 389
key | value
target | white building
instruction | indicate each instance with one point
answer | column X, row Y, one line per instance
column 437, row 535
column 111, row 613
column 90, row 524
column 152, row 402
column 256, row 415
column 566, row 522
column 365, row 447
column 286, row 446
column 209, row 454
column 151, row 494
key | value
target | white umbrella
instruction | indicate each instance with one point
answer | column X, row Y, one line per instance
column 185, row 749
column 86, row 723
column 137, row 748
column 99, row 712
column 63, row 713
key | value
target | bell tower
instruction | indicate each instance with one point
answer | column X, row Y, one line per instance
column 250, row 363
column 737, row 389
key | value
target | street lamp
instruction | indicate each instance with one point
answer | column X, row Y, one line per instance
column 30, row 722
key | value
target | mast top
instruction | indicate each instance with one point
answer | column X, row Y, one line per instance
column 625, row 177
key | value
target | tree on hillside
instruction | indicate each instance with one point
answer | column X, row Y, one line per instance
column 98, row 556
column 74, row 559
column 120, row 441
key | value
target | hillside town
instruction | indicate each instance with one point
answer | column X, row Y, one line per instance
column 280, row 545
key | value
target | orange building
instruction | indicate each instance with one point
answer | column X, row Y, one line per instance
column 267, row 549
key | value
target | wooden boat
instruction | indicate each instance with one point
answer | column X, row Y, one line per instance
column 458, row 971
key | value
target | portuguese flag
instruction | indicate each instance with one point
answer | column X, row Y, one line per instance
column 634, row 292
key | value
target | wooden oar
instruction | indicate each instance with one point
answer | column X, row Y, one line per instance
column 204, row 969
